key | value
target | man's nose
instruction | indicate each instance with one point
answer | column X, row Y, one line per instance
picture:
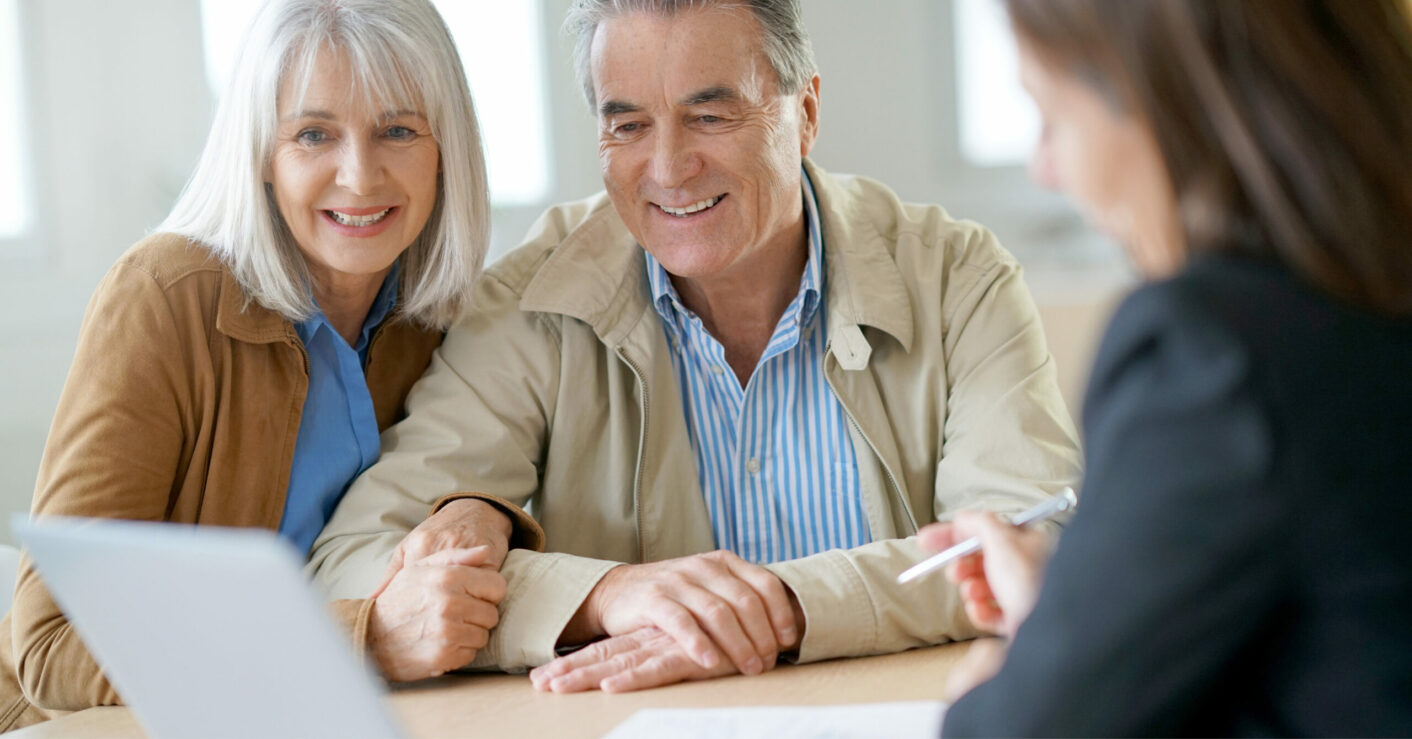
column 674, row 158
column 360, row 170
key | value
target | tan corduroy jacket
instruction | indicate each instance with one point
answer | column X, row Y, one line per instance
column 183, row 404
column 556, row 391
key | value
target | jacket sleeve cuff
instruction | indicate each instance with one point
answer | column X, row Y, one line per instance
column 526, row 533
column 545, row 591
column 354, row 615
column 838, row 612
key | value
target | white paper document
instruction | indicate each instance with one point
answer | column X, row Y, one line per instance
column 912, row 720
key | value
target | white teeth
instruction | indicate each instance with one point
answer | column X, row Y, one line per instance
column 358, row 221
column 693, row 208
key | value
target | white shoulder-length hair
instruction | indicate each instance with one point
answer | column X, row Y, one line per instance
column 402, row 56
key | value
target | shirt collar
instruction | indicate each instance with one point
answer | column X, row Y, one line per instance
column 382, row 305
column 811, row 284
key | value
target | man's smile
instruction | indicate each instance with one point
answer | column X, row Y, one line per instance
column 691, row 209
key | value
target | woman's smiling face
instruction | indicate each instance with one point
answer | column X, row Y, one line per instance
column 355, row 184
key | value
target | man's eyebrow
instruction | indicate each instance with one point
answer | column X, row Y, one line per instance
column 717, row 94
column 616, row 107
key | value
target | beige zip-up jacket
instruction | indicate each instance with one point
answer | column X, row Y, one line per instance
column 556, row 392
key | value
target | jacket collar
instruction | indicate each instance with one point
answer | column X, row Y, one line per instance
column 243, row 319
column 598, row 275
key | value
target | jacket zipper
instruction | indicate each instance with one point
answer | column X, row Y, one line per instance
column 641, row 451
column 891, row 479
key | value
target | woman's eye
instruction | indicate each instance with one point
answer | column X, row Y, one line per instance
column 311, row 136
column 400, row 132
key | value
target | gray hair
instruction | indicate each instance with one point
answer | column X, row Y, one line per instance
column 402, row 57
column 781, row 21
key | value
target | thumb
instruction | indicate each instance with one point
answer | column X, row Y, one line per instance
column 992, row 530
column 472, row 557
column 937, row 536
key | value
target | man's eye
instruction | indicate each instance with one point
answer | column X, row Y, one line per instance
column 709, row 119
column 627, row 128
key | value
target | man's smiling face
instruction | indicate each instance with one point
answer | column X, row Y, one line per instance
column 700, row 151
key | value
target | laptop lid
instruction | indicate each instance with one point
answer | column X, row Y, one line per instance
column 206, row 631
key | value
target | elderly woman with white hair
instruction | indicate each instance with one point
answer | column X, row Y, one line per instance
column 237, row 367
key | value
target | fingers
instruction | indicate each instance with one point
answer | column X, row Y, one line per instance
column 583, row 669
column 728, row 598
column 774, row 596
column 682, row 625
column 714, row 605
column 412, row 637
column 937, row 536
column 981, row 607
column 474, row 582
column 967, row 567
column 460, row 524
column 728, row 630
column 653, row 671
column 993, row 531
column 641, row 659
column 472, row 557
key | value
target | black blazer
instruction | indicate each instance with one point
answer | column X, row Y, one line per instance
column 1241, row 558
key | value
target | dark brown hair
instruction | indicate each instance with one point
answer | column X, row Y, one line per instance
column 1285, row 125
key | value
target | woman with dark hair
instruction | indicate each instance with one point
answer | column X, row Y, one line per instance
column 1238, row 564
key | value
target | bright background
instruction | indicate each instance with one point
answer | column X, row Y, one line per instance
column 104, row 107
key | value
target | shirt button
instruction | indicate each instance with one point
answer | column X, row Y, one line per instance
column 716, row 369
column 753, row 465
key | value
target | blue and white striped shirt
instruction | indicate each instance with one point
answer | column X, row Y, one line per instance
column 774, row 458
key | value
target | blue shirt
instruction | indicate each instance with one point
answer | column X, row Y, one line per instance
column 338, row 431
column 774, row 458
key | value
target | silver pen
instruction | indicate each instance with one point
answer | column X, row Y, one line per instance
column 1063, row 501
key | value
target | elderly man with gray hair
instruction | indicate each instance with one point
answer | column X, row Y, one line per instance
column 730, row 388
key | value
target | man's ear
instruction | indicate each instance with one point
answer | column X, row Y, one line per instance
column 808, row 116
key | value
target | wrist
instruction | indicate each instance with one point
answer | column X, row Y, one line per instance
column 586, row 624
column 486, row 516
column 798, row 622
column 582, row 627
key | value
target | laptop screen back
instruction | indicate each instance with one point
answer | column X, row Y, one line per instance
column 206, row 631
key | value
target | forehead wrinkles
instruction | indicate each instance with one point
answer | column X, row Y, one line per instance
column 642, row 54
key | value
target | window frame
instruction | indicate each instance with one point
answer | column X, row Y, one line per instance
column 20, row 245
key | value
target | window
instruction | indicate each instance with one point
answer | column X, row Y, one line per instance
column 998, row 122
column 14, row 196
column 501, row 47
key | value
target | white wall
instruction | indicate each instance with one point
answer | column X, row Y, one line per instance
column 120, row 109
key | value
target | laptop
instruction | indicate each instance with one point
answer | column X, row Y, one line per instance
column 206, row 631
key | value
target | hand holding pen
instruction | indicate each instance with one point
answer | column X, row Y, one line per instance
column 997, row 563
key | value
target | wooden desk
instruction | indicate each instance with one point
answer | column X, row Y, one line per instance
column 507, row 706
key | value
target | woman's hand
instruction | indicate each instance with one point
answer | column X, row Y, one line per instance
column 435, row 614
column 460, row 524
column 1000, row 583
column 982, row 661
